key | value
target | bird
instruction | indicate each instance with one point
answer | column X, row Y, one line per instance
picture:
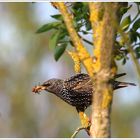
column 77, row 91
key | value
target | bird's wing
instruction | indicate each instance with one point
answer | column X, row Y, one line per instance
column 78, row 83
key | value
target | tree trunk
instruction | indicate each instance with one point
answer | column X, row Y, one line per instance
column 104, row 18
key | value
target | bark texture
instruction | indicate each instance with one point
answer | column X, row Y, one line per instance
column 104, row 18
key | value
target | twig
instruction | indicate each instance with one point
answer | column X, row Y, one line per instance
column 129, row 47
column 85, row 40
column 126, row 39
column 80, row 49
column 79, row 129
column 86, row 32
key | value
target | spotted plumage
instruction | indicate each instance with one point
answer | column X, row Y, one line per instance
column 76, row 90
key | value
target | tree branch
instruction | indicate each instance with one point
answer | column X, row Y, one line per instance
column 86, row 40
column 103, row 17
column 80, row 49
column 126, row 39
column 78, row 130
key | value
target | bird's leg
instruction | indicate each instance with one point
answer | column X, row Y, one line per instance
column 84, row 120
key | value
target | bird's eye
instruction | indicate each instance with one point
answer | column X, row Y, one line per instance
column 46, row 84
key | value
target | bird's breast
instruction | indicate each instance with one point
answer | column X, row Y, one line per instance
column 76, row 99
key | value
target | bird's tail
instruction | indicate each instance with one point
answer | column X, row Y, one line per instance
column 118, row 84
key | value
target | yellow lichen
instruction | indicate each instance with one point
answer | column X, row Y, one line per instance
column 76, row 59
column 81, row 51
column 107, row 97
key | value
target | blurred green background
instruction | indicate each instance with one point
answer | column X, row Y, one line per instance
column 26, row 60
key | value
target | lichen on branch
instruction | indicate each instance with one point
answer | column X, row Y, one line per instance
column 75, row 57
column 81, row 51
column 102, row 17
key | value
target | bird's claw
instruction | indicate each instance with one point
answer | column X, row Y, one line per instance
column 88, row 126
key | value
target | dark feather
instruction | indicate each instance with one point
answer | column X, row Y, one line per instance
column 77, row 90
column 77, row 81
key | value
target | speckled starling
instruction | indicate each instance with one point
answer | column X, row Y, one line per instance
column 76, row 90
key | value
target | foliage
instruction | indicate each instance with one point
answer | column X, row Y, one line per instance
column 129, row 26
column 60, row 37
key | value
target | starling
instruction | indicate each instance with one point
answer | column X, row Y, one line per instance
column 76, row 90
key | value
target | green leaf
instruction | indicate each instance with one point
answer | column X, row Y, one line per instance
column 119, row 56
column 123, row 10
column 48, row 27
column 84, row 32
column 63, row 34
column 134, row 36
column 77, row 5
column 137, row 51
column 124, row 61
column 57, row 17
column 138, row 3
column 88, row 25
column 125, row 23
column 136, row 25
column 54, row 39
column 85, row 4
column 59, row 50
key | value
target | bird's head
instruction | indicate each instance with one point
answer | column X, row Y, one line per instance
column 52, row 85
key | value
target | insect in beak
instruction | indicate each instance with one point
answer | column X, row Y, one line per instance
column 38, row 89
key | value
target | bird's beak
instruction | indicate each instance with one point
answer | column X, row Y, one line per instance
column 38, row 89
